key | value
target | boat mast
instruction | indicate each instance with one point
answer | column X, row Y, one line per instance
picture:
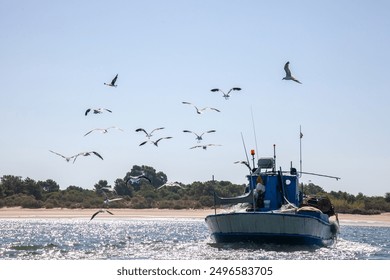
column 300, row 151
column 300, row 161
column 254, row 131
column 273, row 168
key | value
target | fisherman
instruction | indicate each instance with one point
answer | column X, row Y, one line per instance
column 259, row 192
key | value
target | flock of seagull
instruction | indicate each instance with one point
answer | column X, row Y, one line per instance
column 149, row 135
column 102, row 130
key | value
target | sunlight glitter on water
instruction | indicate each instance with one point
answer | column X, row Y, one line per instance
column 166, row 239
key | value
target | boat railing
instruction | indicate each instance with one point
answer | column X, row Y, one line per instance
column 245, row 198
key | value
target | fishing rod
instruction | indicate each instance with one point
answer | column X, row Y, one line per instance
column 251, row 187
column 246, row 153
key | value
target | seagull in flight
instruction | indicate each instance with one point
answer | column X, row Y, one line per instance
column 97, row 111
column 226, row 95
column 155, row 142
column 65, row 157
column 171, row 184
column 200, row 111
column 137, row 179
column 288, row 73
column 148, row 134
column 244, row 163
column 100, row 211
column 109, row 189
column 199, row 137
column 102, row 130
column 204, row 147
column 88, row 154
column 112, row 84
column 107, row 200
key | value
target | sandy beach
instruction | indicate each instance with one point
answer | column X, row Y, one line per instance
column 17, row 212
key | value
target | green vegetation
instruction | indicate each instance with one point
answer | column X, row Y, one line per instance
column 28, row 193
column 351, row 204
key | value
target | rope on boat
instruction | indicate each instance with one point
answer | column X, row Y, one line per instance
column 287, row 202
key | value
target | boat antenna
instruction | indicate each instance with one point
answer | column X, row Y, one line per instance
column 254, row 132
column 300, row 151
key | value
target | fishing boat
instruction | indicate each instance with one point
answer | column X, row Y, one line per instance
column 274, row 210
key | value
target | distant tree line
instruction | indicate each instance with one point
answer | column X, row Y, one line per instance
column 28, row 193
column 352, row 204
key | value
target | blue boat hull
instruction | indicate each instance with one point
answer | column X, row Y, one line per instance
column 270, row 239
column 267, row 227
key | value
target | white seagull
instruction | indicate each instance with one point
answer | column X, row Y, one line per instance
column 148, row 134
column 97, row 111
column 155, row 142
column 109, row 189
column 112, row 84
column 172, row 184
column 137, row 179
column 102, row 130
column 199, row 137
column 244, row 163
column 85, row 154
column 226, row 95
column 288, row 73
column 100, row 211
column 65, row 157
column 107, row 200
column 200, row 111
column 204, row 147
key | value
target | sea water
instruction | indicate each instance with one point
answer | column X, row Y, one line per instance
column 167, row 239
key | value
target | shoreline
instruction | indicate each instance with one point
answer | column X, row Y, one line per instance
column 18, row 212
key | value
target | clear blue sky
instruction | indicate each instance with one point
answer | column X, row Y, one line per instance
column 56, row 55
